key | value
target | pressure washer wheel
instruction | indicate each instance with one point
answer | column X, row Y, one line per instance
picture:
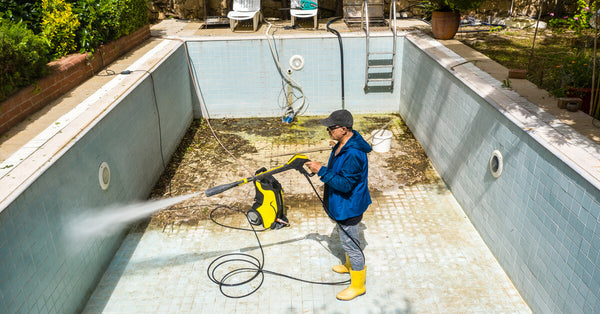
column 254, row 217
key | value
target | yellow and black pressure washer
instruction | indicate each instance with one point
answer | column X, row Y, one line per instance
column 268, row 207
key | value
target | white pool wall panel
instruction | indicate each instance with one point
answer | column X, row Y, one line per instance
column 239, row 78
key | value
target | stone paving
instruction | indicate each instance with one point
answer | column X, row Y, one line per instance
column 422, row 255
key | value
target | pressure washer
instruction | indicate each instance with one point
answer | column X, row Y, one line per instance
column 268, row 208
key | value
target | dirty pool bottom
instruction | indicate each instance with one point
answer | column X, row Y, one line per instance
column 422, row 253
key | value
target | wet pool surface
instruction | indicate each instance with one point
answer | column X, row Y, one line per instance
column 422, row 252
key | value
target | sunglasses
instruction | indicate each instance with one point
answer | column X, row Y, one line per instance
column 331, row 128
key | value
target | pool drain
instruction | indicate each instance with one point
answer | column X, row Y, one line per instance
column 496, row 164
column 104, row 176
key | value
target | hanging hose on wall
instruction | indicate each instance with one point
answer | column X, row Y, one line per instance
column 334, row 31
column 290, row 112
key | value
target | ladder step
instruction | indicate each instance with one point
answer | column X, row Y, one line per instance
column 380, row 66
column 380, row 80
column 379, row 76
column 382, row 53
column 381, row 63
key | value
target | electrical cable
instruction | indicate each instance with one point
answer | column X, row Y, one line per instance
column 160, row 137
column 202, row 102
column 284, row 75
column 284, row 103
column 155, row 100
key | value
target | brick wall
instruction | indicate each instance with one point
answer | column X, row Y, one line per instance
column 65, row 74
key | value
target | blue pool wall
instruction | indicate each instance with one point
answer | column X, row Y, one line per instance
column 239, row 78
column 41, row 270
column 539, row 218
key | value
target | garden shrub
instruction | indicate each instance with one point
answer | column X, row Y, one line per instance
column 106, row 20
column 134, row 14
column 23, row 57
column 59, row 26
column 99, row 21
column 22, row 11
column 34, row 32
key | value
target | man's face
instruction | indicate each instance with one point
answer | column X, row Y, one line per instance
column 336, row 132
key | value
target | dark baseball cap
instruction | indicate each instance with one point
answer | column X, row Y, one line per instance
column 340, row 117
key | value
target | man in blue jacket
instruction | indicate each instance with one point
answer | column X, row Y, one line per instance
column 346, row 194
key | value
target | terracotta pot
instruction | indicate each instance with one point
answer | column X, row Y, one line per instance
column 444, row 25
column 585, row 94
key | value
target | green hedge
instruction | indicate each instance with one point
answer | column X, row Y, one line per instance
column 23, row 57
column 40, row 31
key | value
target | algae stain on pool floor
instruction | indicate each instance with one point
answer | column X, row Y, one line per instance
column 200, row 162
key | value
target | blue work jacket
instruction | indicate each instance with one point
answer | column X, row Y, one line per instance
column 345, row 177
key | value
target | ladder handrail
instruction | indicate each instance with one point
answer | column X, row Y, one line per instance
column 392, row 23
column 394, row 30
column 393, row 16
column 364, row 17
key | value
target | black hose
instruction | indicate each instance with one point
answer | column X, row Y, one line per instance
column 255, row 266
column 224, row 265
column 341, row 54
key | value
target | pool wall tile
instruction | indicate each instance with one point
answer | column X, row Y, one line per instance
column 240, row 78
column 42, row 268
column 540, row 217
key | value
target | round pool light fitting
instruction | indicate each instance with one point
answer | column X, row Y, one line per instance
column 104, row 176
column 496, row 163
column 296, row 62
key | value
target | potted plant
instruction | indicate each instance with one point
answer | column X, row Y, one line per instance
column 445, row 17
column 574, row 78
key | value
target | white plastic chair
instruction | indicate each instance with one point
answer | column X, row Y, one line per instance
column 244, row 10
column 304, row 9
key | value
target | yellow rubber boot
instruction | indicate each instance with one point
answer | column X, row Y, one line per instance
column 357, row 285
column 343, row 269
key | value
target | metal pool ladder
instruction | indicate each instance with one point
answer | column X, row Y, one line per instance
column 380, row 66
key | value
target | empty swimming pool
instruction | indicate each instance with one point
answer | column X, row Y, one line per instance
column 539, row 217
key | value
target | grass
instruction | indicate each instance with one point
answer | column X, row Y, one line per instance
column 559, row 58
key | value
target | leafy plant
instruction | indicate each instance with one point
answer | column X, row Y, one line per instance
column 454, row 5
column 22, row 11
column 100, row 20
column 134, row 14
column 23, row 57
column 574, row 72
column 578, row 22
column 106, row 20
column 59, row 24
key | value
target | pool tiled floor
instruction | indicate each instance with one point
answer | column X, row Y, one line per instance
column 423, row 255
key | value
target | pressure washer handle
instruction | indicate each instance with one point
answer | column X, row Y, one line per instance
column 223, row 187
